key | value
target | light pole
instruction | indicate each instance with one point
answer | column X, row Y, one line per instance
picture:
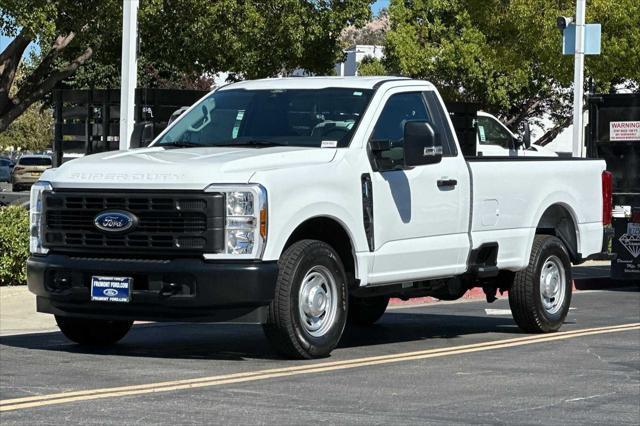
column 129, row 73
column 578, row 82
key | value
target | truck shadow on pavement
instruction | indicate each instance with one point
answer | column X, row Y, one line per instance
column 240, row 342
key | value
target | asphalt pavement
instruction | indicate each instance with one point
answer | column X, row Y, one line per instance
column 445, row 363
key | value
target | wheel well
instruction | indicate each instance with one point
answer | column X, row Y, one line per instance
column 331, row 232
column 557, row 221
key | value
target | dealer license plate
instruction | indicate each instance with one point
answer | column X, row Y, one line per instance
column 111, row 289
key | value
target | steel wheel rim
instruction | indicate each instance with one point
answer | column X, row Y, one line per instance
column 317, row 301
column 552, row 285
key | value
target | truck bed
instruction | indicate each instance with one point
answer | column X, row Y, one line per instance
column 506, row 200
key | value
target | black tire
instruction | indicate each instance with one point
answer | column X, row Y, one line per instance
column 367, row 310
column 285, row 328
column 93, row 332
column 526, row 295
column 16, row 188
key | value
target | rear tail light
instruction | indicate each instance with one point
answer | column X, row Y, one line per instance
column 607, row 197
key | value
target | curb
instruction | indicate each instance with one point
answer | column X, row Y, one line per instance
column 601, row 283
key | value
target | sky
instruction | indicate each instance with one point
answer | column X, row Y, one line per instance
column 380, row 4
column 4, row 40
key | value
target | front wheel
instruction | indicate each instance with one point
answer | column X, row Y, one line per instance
column 309, row 310
column 541, row 294
column 93, row 332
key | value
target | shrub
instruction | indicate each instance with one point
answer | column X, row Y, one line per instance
column 14, row 245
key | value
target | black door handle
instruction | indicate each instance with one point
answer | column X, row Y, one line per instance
column 447, row 182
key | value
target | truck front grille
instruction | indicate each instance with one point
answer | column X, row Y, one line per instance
column 168, row 222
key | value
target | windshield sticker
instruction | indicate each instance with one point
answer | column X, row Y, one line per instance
column 329, row 144
column 357, row 93
column 483, row 137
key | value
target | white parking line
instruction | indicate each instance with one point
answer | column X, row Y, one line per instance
column 498, row 311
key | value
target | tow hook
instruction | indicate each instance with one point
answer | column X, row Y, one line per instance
column 169, row 289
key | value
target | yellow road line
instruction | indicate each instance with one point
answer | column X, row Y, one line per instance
column 86, row 395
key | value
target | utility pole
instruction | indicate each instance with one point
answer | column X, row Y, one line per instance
column 578, row 82
column 129, row 75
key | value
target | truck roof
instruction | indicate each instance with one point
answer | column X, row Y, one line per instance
column 320, row 83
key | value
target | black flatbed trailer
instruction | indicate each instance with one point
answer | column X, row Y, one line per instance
column 613, row 134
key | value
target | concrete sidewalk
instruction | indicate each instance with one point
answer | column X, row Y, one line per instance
column 18, row 306
column 18, row 312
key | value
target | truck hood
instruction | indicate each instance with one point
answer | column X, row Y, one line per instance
column 186, row 168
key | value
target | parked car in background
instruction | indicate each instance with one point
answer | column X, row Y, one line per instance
column 28, row 170
column 6, row 165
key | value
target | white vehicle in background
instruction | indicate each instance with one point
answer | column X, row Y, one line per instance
column 495, row 139
column 299, row 202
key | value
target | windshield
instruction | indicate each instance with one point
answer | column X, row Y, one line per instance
column 310, row 118
column 35, row 161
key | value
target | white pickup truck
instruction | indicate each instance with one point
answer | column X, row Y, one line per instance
column 301, row 204
column 495, row 139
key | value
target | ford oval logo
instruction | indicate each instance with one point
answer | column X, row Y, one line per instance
column 115, row 221
column 110, row 292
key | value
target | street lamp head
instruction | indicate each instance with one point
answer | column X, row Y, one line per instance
column 563, row 22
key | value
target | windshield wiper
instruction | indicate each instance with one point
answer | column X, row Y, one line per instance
column 259, row 143
column 181, row 144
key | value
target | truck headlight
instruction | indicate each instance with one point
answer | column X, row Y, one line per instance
column 36, row 230
column 246, row 220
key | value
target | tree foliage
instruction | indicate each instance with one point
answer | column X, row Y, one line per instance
column 33, row 129
column 180, row 41
column 14, row 245
column 370, row 66
column 506, row 54
column 68, row 32
column 373, row 32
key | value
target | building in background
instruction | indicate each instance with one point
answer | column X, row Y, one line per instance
column 355, row 55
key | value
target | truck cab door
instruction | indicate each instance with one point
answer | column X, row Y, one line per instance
column 420, row 213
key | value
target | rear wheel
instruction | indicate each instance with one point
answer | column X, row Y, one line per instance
column 92, row 331
column 367, row 310
column 541, row 294
column 309, row 310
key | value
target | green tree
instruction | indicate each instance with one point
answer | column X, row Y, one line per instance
column 180, row 41
column 370, row 66
column 32, row 131
column 14, row 245
column 506, row 54
column 68, row 33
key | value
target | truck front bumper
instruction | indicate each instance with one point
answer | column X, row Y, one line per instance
column 183, row 289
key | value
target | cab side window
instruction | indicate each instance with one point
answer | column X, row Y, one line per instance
column 389, row 128
column 490, row 132
column 398, row 110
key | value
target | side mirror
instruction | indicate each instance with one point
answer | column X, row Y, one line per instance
column 421, row 144
column 526, row 137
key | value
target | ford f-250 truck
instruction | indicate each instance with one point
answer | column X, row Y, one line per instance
column 302, row 203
